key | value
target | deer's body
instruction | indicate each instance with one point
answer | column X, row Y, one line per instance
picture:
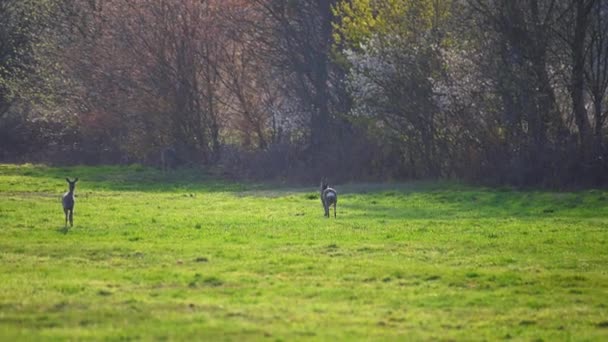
column 68, row 202
column 329, row 197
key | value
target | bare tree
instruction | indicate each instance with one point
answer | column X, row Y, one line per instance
column 300, row 43
column 596, row 69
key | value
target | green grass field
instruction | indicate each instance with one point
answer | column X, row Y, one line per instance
column 184, row 256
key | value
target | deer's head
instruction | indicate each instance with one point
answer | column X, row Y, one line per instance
column 72, row 184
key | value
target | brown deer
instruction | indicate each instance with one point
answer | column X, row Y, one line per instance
column 68, row 202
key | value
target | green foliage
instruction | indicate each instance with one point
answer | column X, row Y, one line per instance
column 395, row 52
column 32, row 81
column 26, row 43
column 183, row 256
column 407, row 20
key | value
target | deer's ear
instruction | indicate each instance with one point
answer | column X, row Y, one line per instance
column 67, row 180
column 76, row 180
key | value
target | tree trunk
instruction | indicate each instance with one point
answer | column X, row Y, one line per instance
column 320, row 115
column 578, row 75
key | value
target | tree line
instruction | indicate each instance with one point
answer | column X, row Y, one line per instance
column 507, row 92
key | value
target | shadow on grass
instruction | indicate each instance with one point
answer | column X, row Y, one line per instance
column 147, row 179
column 125, row 178
column 412, row 200
column 312, row 192
column 475, row 203
column 63, row 230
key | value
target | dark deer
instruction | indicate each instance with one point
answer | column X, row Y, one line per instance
column 329, row 196
column 68, row 202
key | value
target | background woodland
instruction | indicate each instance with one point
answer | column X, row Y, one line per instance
column 503, row 92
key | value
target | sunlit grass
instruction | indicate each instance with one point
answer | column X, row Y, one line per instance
column 186, row 256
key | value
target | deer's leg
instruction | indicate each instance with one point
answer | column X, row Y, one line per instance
column 323, row 204
column 72, row 217
column 335, row 205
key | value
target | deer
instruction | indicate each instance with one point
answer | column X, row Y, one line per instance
column 329, row 196
column 68, row 201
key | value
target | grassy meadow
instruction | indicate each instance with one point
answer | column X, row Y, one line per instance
column 184, row 256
